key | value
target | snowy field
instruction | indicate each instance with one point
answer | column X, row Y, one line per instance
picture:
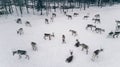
column 52, row 53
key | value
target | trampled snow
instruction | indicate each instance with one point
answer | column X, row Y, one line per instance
column 52, row 53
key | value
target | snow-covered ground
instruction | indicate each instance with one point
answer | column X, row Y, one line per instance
column 53, row 53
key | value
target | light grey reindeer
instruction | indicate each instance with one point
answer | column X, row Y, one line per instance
column 74, row 33
column 48, row 35
column 20, row 53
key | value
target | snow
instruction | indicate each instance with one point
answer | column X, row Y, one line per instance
column 53, row 53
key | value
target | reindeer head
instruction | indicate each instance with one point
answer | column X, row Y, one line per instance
column 14, row 52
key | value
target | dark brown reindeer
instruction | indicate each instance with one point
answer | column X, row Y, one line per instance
column 46, row 21
column 96, row 53
column 77, row 44
column 27, row 23
column 19, row 21
column 48, row 35
column 110, row 34
column 20, row 31
column 91, row 26
column 70, row 58
column 74, row 33
column 84, row 46
column 20, row 53
column 96, row 20
column 69, row 16
column 34, row 46
column 63, row 39
column 75, row 14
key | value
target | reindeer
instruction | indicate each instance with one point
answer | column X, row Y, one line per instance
column 84, row 46
column 63, row 39
column 70, row 58
column 99, row 30
column 97, row 15
column 34, row 46
column 74, row 33
column 117, row 22
column 77, row 44
column 19, row 21
column 65, row 12
column 20, row 31
column 85, row 17
column 111, row 33
column 75, row 14
column 117, row 27
column 96, row 53
column 27, row 23
column 46, row 21
column 53, row 14
column 21, row 52
column 116, row 34
column 90, row 26
column 51, row 19
column 96, row 20
column 69, row 16
column 48, row 35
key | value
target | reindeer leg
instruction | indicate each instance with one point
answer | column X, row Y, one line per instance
column 19, row 56
column 82, row 48
column 87, row 51
column 27, row 57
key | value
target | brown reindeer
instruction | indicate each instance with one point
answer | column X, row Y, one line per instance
column 20, row 53
column 96, row 20
column 53, row 14
column 97, row 15
column 34, row 46
column 69, row 16
column 74, row 33
column 84, row 46
column 96, row 53
column 46, row 21
column 27, row 23
column 99, row 30
column 75, row 14
column 48, row 35
column 90, row 26
column 20, row 31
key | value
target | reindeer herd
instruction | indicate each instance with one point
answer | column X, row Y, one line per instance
column 49, row 36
